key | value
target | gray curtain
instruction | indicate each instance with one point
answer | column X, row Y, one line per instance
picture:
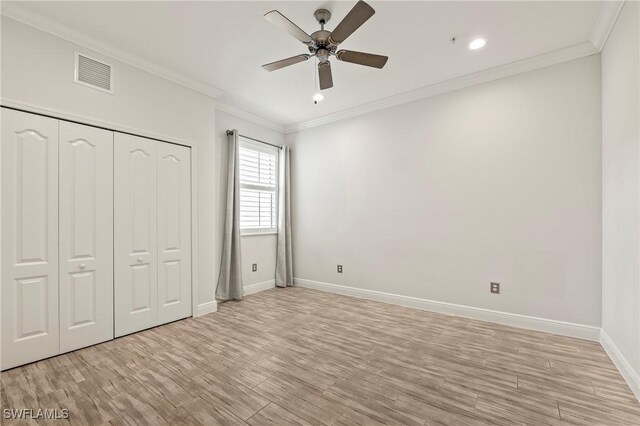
column 230, row 279
column 284, row 256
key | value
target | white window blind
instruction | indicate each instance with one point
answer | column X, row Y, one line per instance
column 258, row 187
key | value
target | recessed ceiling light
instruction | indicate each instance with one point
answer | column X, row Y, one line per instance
column 477, row 43
column 317, row 97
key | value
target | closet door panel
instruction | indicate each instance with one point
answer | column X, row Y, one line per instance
column 86, row 236
column 174, row 232
column 135, row 242
column 29, row 238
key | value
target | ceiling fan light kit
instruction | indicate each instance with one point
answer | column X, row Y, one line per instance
column 323, row 44
column 477, row 43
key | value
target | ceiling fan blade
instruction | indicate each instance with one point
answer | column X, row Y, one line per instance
column 279, row 20
column 285, row 62
column 357, row 16
column 360, row 58
column 324, row 74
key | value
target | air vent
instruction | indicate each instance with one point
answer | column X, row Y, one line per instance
column 93, row 73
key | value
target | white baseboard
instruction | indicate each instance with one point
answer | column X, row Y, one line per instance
column 206, row 308
column 579, row 331
column 630, row 376
column 255, row 288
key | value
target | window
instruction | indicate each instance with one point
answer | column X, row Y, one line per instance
column 258, row 187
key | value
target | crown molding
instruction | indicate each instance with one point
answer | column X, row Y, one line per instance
column 249, row 116
column 605, row 23
column 18, row 13
column 541, row 61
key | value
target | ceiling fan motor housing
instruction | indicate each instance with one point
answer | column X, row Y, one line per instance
column 321, row 37
column 321, row 42
column 322, row 47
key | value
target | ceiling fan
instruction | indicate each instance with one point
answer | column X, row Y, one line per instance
column 322, row 44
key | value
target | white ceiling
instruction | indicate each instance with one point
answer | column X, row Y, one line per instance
column 223, row 44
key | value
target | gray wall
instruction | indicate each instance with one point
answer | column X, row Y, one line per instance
column 436, row 198
column 621, row 186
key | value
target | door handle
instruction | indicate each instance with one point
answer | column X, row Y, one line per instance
column 82, row 266
column 139, row 259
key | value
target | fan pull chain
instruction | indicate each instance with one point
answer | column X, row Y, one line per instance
column 315, row 81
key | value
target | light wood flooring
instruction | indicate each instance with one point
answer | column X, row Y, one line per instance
column 299, row 356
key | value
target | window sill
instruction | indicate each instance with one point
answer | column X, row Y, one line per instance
column 257, row 234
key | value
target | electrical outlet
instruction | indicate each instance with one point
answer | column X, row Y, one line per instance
column 495, row 288
column 339, row 269
column 254, row 267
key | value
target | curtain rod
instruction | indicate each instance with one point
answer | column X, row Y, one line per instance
column 255, row 140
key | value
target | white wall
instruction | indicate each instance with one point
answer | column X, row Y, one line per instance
column 436, row 198
column 621, row 187
column 260, row 249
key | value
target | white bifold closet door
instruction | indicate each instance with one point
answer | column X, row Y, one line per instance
column 29, row 238
column 174, row 232
column 86, row 235
column 152, row 233
column 136, row 236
